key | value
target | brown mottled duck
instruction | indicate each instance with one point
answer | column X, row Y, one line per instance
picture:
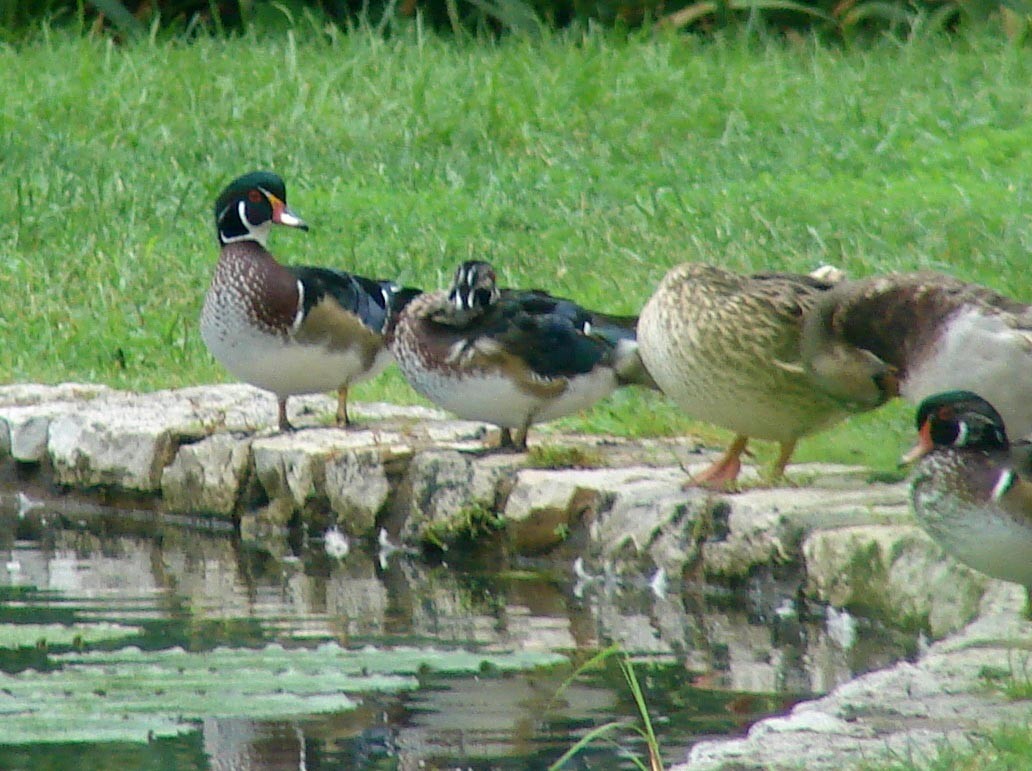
column 726, row 348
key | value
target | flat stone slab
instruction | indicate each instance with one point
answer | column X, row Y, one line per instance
column 99, row 437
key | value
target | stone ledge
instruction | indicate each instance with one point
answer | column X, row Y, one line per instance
column 213, row 451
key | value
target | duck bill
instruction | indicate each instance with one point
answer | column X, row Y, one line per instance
column 282, row 215
column 923, row 447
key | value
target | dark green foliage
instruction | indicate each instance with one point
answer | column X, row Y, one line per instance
column 840, row 18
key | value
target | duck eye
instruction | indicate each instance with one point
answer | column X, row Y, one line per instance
column 254, row 196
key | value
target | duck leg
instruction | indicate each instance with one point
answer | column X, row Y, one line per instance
column 505, row 439
column 520, row 441
column 284, row 424
column 724, row 471
column 777, row 471
column 509, row 443
column 343, row 419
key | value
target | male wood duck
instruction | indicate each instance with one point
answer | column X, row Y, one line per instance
column 289, row 329
column 966, row 489
column 936, row 332
column 511, row 357
column 726, row 348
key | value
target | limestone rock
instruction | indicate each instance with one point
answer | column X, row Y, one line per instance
column 28, row 438
column 25, row 427
column 544, row 503
column 100, row 437
column 895, row 573
column 24, row 394
column 357, row 486
column 206, row 477
column 441, row 485
column 329, row 468
column 128, row 451
column 767, row 526
column 125, row 439
column 647, row 519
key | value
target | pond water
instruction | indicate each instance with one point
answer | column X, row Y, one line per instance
column 189, row 603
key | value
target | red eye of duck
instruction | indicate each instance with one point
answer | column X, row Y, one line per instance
column 254, row 196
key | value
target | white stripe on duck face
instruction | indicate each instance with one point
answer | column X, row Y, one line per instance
column 259, row 233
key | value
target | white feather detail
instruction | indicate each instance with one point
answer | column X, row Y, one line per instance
column 300, row 315
column 1003, row 484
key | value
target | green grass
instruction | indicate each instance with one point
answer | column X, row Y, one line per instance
column 559, row 456
column 1003, row 749
column 587, row 164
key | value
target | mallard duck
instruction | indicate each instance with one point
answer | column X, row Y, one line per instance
column 936, row 332
column 726, row 348
column 966, row 490
column 289, row 330
column 511, row 357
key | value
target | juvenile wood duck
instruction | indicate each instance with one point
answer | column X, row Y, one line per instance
column 936, row 332
column 966, row 490
column 289, row 329
column 726, row 348
column 511, row 357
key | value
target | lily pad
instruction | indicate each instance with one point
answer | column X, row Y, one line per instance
column 130, row 694
column 28, row 635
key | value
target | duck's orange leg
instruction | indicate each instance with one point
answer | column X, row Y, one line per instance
column 724, row 471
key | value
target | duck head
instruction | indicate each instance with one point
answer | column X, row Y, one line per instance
column 958, row 419
column 250, row 205
column 474, row 286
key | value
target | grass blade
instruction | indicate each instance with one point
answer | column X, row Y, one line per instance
column 643, row 711
column 588, row 738
column 595, row 661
